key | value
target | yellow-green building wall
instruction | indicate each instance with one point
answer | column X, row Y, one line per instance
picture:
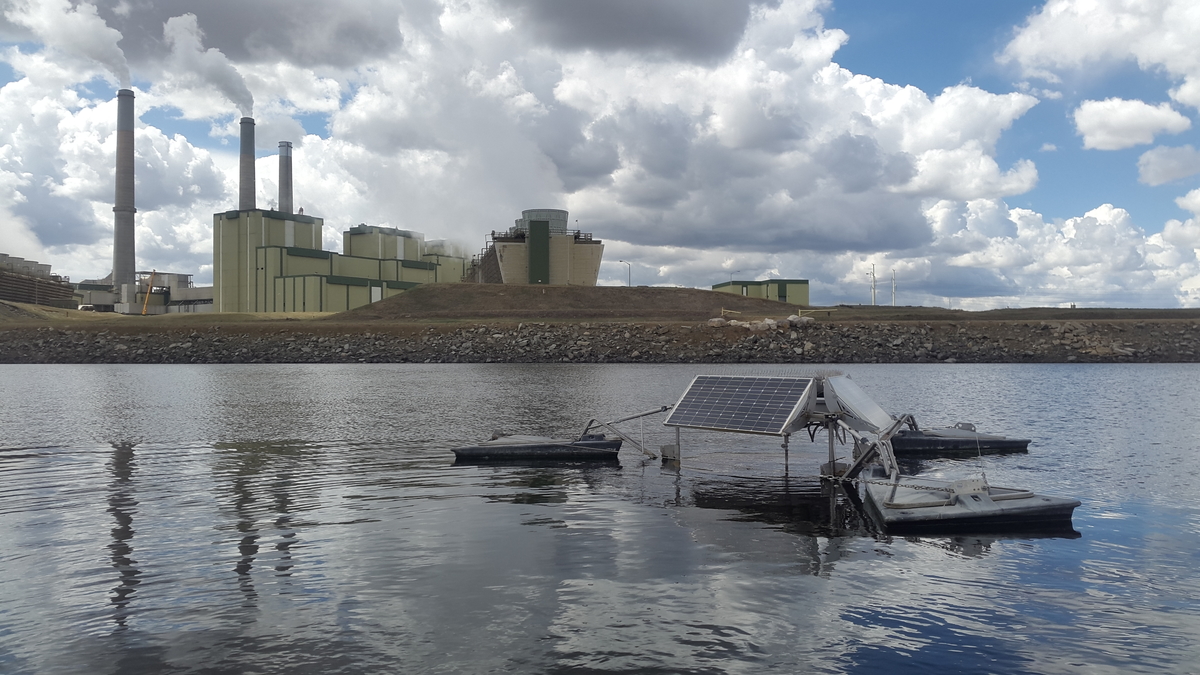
column 795, row 291
column 264, row 261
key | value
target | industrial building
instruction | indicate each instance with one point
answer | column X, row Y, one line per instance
column 268, row 261
column 274, row 260
column 792, row 291
column 126, row 290
column 150, row 293
column 539, row 249
column 32, row 282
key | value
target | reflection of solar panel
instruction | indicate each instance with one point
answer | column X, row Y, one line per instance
column 754, row 405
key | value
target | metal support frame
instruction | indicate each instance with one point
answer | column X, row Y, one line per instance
column 881, row 448
column 595, row 424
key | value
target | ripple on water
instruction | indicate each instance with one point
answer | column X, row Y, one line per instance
column 251, row 518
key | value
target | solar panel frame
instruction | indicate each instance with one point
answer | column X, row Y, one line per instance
column 765, row 405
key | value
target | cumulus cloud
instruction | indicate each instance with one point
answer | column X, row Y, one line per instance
column 307, row 33
column 1164, row 165
column 1101, row 257
column 1190, row 202
column 1115, row 124
column 17, row 238
column 1067, row 35
column 698, row 30
column 77, row 32
column 695, row 141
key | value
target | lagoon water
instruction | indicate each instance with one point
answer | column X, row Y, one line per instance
column 311, row 519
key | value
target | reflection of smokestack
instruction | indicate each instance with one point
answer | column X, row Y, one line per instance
column 123, row 263
column 246, row 187
column 285, row 177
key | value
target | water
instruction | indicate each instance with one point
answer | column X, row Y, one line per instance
column 293, row 518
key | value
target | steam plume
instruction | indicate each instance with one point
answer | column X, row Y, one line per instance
column 190, row 60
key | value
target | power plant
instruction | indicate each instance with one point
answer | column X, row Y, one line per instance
column 274, row 260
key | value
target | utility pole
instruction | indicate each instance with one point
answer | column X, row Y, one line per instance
column 872, row 284
column 893, row 287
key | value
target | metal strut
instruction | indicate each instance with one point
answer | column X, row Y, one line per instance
column 595, row 423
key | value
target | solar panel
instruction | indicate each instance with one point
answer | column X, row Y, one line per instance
column 753, row 405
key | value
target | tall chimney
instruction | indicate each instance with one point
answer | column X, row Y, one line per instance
column 285, row 177
column 123, row 209
column 246, row 185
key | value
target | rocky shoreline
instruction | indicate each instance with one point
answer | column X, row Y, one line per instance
column 793, row 341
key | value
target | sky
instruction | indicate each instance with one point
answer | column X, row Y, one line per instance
column 987, row 155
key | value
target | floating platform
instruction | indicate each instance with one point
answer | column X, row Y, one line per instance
column 961, row 440
column 916, row 505
column 587, row 447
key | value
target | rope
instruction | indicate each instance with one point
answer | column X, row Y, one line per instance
column 979, row 454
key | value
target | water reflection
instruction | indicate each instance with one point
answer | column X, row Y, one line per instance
column 544, row 481
column 261, row 481
column 802, row 505
column 362, row 546
column 974, row 546
column 122, row 505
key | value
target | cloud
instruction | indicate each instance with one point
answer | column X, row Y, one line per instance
column 1190, row 202
column 1100, row 257
column 1115, row 124
column 983, row 254
column 1069, row 35
column 191, row 66
column 724, row 141
column 1163, row 165
column 692, row 30
column 18, row 239
column 307, row 33
column 73, row 31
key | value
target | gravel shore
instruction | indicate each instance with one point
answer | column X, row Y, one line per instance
column 1167, row 341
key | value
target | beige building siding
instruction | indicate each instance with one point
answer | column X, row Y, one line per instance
column 571, row 262
column 347, row 266
column 236, row 237
column 449, row 268
column 323, row 293
column 264, row 261
column 561, row 250
column 585, row 263
column 514, row 261
column 384, row 243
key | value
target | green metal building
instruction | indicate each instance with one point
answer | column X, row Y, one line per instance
column 791, row 291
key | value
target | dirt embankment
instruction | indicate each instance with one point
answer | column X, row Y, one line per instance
column 564, row 303
column 461, row 323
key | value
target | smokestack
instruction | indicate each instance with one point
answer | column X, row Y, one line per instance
column 285, row 177
column 246, row 186
column 123, row 209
